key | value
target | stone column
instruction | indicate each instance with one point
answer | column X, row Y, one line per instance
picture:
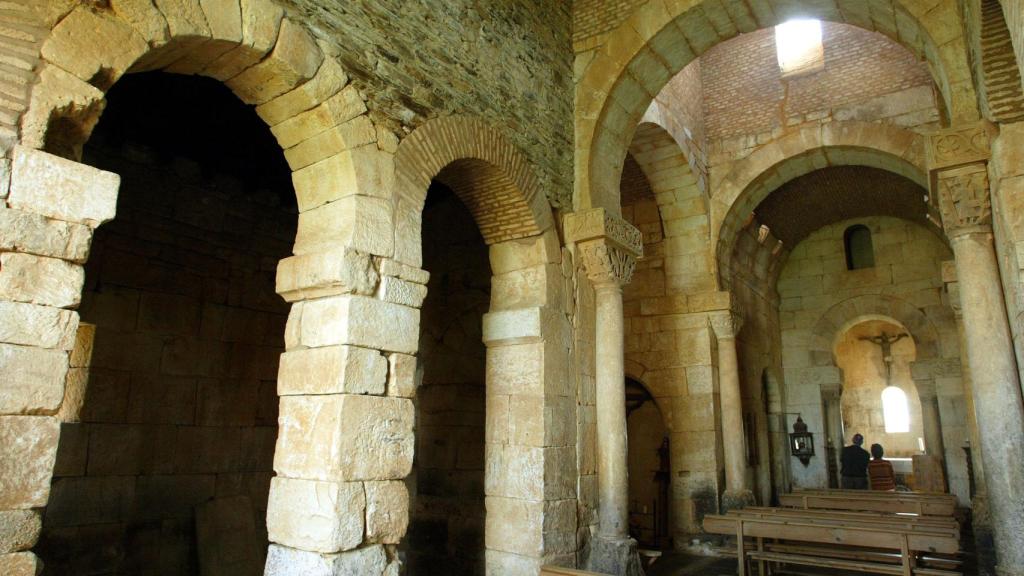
column 960, row 174
column 737, row 492
column 832, row 397
column 608, row 247
column 930, row 420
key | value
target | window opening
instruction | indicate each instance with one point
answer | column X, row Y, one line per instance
column 798, row 46
column 895, row 410
column 859, row 251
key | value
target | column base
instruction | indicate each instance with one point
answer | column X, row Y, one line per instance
column 736, row 499
column 618, row 557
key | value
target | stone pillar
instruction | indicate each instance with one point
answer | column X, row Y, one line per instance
column 47, row 217
column 960, row 177
column 609, row 247
column 981, row 521
column 930, row 420
column 737, row 491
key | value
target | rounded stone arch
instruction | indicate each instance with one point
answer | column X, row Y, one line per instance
column 636, row 371
column 662, row 160
column 797, row 153
column 487, row 172
column 643, row 53
column 266, row 58
column 839, row 318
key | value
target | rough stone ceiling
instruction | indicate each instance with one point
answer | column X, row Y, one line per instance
column 838, row 193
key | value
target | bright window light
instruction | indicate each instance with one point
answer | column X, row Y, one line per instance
column 798, row 43
column 895, row 410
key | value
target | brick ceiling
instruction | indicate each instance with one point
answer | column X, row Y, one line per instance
column 838, row 193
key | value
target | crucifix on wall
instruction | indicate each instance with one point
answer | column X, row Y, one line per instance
column 885, row 342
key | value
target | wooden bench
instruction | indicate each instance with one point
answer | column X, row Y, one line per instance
column 879, row 518
column 858, row 538
column 866, row 500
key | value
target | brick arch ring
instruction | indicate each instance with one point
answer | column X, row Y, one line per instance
column 839, row 318
column 800, row 152
column 484, row 169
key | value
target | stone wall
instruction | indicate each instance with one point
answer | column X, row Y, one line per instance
column 178, row 405
column 819, row 295
column 446, row 488
column 509, row 62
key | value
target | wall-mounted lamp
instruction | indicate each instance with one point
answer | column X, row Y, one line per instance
column 801, row 442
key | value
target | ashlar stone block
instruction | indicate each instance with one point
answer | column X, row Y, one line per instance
column 285, row 561
column 404, row 377
column 294, row 60
column 387, row 511
column 339, row 270
column 261, row 24
column 60, row 92
column 20, row 564
column 28, row 450
column 33, row 233
column 329, row 80
column 359, row 321
column 359, row 222
column 338, row 109
column 19, row 530
column 401, row 292
column 87, row 41
column 40, row 326
column 325, row 517
column 344, row 437
column 33, row 379
column 332, row 370
column 39, row 280
column 62, row 189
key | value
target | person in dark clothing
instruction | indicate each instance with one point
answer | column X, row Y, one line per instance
column 854, row 460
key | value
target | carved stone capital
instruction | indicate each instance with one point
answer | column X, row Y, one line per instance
column 608, row 245
column 964, row 199
column 597, row 223
column 726, row 324
column 960, row 145
column 606, row 262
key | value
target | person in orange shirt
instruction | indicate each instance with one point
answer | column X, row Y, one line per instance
column 880, row 472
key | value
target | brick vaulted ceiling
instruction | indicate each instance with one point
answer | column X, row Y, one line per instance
column 838, row 193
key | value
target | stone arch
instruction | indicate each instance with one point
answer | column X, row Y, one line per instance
column 666, row 166
column 341, row 167
column 753, row 178
column 645, row 51
column 842, row 316
column 488, row 173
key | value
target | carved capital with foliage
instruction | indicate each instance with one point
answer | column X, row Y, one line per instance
column 964, row 199
column 726, row 324
column 608, row 245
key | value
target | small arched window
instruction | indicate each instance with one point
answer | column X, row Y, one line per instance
column 895, row 410
column 859, row 251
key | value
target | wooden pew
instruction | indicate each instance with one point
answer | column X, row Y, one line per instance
column 866, row 500
column 947, row 523
column 909, row 540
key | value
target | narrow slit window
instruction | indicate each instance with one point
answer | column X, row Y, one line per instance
column 895, row 410
column 860, row 253
column 799, row 48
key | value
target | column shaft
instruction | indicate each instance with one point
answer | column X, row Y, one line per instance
column 997, row 393
column 612, row 472
column 932, row 424
column 732, row 416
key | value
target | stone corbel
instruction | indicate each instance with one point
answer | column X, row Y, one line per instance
column 608, row 245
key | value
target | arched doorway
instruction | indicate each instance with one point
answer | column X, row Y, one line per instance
column 649, row 470
column 170, row 413
column 447, row 483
